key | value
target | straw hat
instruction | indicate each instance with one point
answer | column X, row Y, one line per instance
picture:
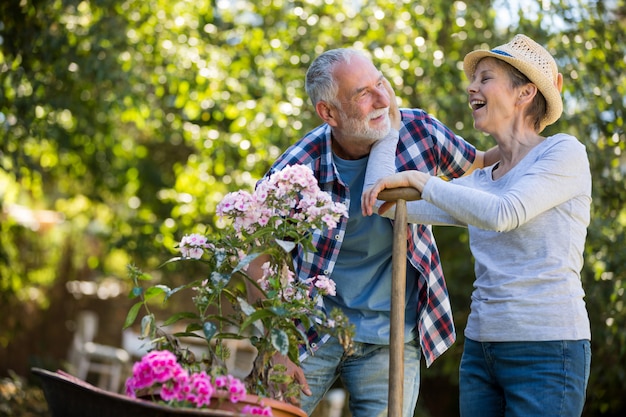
column 532, row 60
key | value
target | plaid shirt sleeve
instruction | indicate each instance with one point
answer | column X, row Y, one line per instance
column 428, row 145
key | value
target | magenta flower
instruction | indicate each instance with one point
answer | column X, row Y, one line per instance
column 156, row 367
column 159, row 371
column 256, row 410
column 200, row 389
column 235, row 388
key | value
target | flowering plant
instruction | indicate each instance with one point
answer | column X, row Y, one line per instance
column 160, row 370
column 272, row 312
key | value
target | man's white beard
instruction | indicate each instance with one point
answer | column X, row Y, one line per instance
column 361, row 127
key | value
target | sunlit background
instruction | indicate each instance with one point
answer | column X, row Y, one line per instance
column 124, row 123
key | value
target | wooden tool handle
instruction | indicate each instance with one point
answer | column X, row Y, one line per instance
column 400, row 193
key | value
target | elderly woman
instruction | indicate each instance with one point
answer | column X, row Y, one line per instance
column 527, row 340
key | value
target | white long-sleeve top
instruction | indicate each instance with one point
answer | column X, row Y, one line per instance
column 527, row 234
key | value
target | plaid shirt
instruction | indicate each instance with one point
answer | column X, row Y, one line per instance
column 425, row 144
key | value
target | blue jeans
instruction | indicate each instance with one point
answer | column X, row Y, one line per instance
column 364, row 374
column 519, row 379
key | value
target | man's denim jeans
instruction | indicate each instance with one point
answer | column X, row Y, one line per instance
column 365, row 375
column 523, row 379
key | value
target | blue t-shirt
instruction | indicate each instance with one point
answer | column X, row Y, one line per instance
column 362, row 272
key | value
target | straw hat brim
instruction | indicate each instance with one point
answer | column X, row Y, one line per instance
column 545, row 86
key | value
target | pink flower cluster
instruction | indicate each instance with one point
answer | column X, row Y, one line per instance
column 159, row 368
column 324, row 285
column 292, row 192
column 193, row 246
column 160, row 371
column 256, row 411
column 235, row 388
column 289, row 290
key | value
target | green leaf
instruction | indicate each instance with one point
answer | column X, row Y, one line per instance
column 169, row 261
column 220, row 257
column 219, row 279
column 280, row 311
column 135, row 292
column 188, row 334
column 193, row 327
column 280, row 341
column 209, row 329
column 170, row 293
column 286, row 245
column 246, row 261
column 132, row 314
column 147, row 325
column 180, row 316
column 256, row 319
column 155, row 291
column 246, row 307
column 144, row 277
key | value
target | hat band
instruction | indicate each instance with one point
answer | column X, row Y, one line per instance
column 496, row 51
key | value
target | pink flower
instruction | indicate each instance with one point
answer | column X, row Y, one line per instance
column 159, row 370
column 232, row 203
column 157, row 367
column 261, row 192
column 193, row 246
column 256, row 410
column 200, row 389
column 175, row 389
column 235, row 388
column 325, row 285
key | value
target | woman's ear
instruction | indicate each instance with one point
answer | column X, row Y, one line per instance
column 559, row 82
column 327, row 112
column 527, row 93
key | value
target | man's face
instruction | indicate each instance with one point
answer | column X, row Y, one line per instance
column 363, row 100
column 374, row 125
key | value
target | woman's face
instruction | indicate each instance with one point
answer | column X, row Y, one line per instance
column 492, row 97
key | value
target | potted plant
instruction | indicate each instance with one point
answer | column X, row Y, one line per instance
column 279, row 217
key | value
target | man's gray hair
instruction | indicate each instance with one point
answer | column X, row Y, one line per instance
column 320, row 83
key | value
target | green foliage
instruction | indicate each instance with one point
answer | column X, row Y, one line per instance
column 133, row 119
column 19, row 399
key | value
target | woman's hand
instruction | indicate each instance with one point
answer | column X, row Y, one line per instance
column 415, row 179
